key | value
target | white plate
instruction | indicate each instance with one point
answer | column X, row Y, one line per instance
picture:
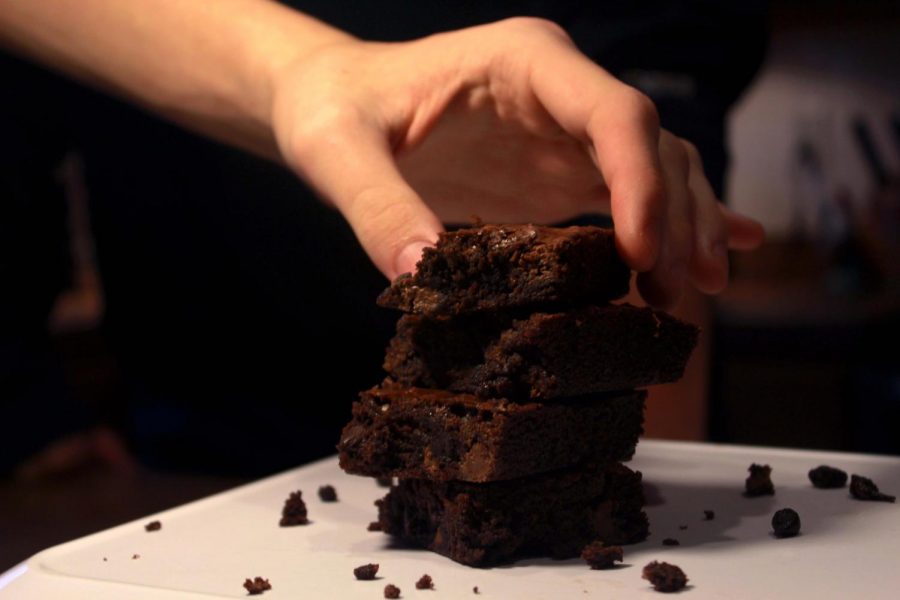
column 847, row 548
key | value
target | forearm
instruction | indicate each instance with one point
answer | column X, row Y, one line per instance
column 206, row 64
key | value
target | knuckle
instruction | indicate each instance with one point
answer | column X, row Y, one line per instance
column 674, row 154
column 640, row 107
column 324, row 126
column 536, row 26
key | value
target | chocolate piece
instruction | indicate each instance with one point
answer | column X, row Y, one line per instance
column 664, row 577
column 256, row 586
column 502, row 266
column 433, row 434
column 294, row 511
column 863, row 488
column 671, row 542
column 786, row 523
column 541, row 356
column 425, row 583
column 153, row 526
column 391, row 591
column 826, row 477
column 759, row 483
column 327, row 493
column 365, row 572
column 709, row 515
column 600, row 556
column 554, row 514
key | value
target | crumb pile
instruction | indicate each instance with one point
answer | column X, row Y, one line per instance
column 512, row 396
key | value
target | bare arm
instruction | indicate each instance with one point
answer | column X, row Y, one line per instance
column 208, row 65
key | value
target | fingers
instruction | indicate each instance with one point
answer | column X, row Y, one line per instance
column 622, row 126
column 744, row 233
column 351, row 164
column 663, row 284
column 709, row 264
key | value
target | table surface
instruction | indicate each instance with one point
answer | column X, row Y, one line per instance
column 847, row 548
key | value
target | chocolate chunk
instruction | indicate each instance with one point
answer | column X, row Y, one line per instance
column 327, row 493
column 153, row 526
column 709, row 515
column 374, row 526
column 671, row 542
column 365, row 572
column 863, row 488
column 600, row 556
column 759, row 483
column 786, row 523
column 425, row 583
column 294, row 511
column 391, row 591
column 256, row 586
column 826, row 477
column 664, row 577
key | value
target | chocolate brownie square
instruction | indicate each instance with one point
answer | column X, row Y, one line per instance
column 542, row 356
column 553, row 514
column 502, row 266
column 435, row 434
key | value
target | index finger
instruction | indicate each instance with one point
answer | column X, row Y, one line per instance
column 622, row 126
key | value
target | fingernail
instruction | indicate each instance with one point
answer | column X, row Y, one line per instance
column 409, row 256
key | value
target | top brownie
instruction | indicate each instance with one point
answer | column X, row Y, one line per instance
column 505, row 266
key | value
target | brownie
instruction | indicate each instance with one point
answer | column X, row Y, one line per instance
column 863, row 488
column 425, row 582
column 153, row 526
column 366, row 572
column 327, row 493
column 391, row 591
column 542, row 356
column 600, row 556
column 294, row 511
column 502, row 266
column 256, row 586
column 434, row 434
column 664, row 577
column 553, row 514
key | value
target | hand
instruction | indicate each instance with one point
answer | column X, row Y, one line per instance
column 510, row 122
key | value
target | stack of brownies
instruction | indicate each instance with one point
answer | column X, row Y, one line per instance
column 510, row 400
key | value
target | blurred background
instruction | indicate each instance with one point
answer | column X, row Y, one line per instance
column 177, row 317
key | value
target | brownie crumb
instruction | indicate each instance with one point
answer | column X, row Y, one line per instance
column 671, row 542
column 153, row 526
column 294, row 511
column 863, row 488
column 384, row 481
column 135, row 556
column 475, row 590
column 709, row 515
column 425, row 583
column 759, row 483
column 786, row 523
column 256, row 586
column 327, row 493
column 391, row 591
column 825, row 477
column 682, row 527
column 365, row 572
column 598, row 556
column 104, row 559
column 374, row 526
column 664, row 577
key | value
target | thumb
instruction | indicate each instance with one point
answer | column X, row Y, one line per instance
column 356, row 170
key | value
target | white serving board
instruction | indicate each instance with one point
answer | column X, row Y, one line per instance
column 847, row 548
